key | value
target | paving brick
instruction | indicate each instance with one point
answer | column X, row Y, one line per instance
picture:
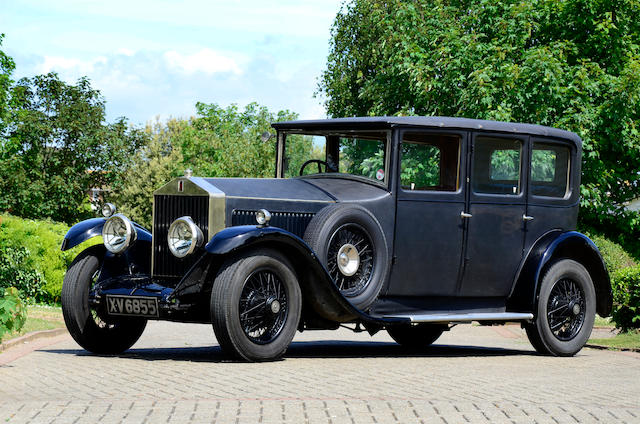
column 177, row 373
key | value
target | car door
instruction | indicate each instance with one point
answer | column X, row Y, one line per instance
column 495, row 216
column 430, row 196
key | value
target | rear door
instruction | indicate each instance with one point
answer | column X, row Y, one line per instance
column 495, row 215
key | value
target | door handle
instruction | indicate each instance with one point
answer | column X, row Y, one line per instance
column 527, row 218
column 464, row 215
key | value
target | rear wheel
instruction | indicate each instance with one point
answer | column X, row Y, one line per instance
column 255, row 306
column 565, row 311
column 416, row 336
column 94, row 332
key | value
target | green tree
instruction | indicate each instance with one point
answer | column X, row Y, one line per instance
column 225, row 142
column 58, row 146
column 153, row 166
column 218, row 142
column 571, row 64
column 6, row 68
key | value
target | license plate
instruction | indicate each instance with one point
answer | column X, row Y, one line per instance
column 132, row 306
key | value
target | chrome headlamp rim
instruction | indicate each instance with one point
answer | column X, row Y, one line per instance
column 108, row 209
column 263, row 217
column 130, row 233
column 196, row 240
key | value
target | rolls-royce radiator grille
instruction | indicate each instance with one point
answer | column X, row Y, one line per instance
column 166, row 209
column 294, row 222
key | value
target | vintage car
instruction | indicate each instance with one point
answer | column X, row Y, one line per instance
column 407, row 224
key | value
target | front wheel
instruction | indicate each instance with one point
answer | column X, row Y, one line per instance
column 255, row 306
column 95, row 333
column 565, row 311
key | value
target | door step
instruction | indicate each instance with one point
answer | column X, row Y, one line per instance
column 480, row 316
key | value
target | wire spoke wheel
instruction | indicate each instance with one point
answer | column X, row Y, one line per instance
column 89, row 326
column 263, row 306
column 97, row 319
column 350, row 259
column 566, row 309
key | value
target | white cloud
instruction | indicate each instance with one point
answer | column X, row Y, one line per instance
column 125, row 51
column 206, row 61
column 59, row 63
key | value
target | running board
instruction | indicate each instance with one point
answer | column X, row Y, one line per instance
column 490, row 316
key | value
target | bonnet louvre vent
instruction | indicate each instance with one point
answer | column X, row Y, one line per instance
column 294, row 222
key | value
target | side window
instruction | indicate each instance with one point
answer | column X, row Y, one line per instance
column 497, row 165
column 550, row 166
column 430, row 162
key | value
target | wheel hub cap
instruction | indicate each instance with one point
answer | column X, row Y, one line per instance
column 348, row 259
column 273, row 305
column 575, row 309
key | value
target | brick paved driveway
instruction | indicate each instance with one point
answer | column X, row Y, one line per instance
column 176, row 373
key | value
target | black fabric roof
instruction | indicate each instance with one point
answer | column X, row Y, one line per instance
column 427, row 121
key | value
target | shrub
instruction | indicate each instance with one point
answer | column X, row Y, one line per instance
column 41, row 242
column 13, row 313
column 613, row 254
column 626, row 298
column 15, row 271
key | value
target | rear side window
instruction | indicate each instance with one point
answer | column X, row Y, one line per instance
column 550, row 166
column 497, row 165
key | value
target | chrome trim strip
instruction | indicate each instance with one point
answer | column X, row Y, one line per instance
column 283, row 199
column 479, row 316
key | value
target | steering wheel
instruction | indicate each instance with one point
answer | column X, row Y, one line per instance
column 319, row 162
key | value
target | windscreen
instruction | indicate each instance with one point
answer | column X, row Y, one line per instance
column 356, row 154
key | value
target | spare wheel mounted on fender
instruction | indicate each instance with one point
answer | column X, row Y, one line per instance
column 350, row 243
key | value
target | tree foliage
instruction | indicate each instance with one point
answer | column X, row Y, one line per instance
column 57, row 147
column 571, row 64
column 6, row 69
column 218, row 142
column 153, row 166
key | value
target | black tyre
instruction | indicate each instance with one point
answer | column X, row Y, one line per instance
column 349, row 241
column 94, row 332
column 416, row 336
column 565, row 311
column 255, row 306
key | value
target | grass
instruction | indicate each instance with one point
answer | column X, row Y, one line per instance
column 39, row 317
column 630, row 340
column 603, row 322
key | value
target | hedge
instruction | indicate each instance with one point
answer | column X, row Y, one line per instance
column 626, row 298
column 31, row 259
column 13, row 313
column 615, row 257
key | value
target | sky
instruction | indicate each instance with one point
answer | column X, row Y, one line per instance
column 156, row 59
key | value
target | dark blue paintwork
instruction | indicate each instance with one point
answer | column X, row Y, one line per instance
column 318, row 288
column 90, row 228
column 550, row 247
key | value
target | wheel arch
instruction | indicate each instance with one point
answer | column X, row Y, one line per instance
column 318, row 290
column 546, row 250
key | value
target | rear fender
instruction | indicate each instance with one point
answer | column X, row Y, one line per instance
column 549, row 248
column 318, row 289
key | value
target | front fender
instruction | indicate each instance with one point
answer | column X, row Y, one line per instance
column 318, row 288
column 556, row 245
column 90, row 228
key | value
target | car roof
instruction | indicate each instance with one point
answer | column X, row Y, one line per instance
column 375, row 122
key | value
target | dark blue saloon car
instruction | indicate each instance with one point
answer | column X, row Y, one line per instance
column 404, row 224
